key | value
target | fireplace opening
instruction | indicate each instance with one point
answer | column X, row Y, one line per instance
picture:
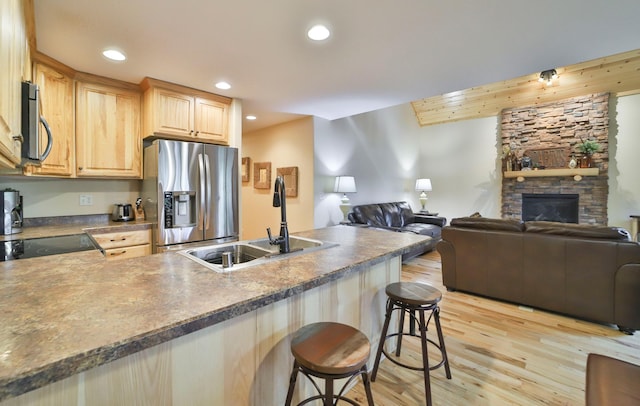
column 562, row 208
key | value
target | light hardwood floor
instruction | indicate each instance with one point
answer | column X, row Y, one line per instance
column 500, row 353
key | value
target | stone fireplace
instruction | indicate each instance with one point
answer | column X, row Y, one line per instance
column 559, row 125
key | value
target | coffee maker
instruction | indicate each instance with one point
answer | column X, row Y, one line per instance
column 11, row 204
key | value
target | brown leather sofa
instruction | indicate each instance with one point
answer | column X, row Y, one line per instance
column 398, row 216
column 589, row 272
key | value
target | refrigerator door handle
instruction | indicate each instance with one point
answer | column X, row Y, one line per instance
column 207, row 210
column 203, row 213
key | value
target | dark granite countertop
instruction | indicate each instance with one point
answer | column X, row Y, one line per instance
column 64, row 314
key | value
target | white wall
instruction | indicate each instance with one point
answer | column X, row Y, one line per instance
column 624, row 152
column 386, row 151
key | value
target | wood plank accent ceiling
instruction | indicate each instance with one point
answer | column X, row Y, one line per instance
column 617, row 74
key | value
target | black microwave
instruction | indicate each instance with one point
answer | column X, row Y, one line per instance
column 31, row 121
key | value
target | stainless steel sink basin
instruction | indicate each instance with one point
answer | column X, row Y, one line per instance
column 242, row 254
column 295, row 244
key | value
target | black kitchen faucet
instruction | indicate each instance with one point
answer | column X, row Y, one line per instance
column 279, row 200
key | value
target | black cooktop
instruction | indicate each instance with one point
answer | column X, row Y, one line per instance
column 38, row 247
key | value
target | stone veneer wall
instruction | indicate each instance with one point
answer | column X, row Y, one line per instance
column 560, row 124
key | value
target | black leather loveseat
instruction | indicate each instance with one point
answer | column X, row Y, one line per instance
column 398, row 216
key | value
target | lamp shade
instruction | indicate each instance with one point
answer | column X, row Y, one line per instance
column 423, row 185
column 345, row 184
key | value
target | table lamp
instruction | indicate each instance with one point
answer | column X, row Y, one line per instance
column 344, row 185
column 423, row 185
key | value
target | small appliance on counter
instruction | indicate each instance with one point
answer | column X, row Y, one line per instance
column 122, row 212
column 11, row 203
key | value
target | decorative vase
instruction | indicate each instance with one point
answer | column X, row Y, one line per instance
column 573, row 162
column 586, row 161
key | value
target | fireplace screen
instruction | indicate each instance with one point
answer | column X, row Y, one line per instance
column 550, row 207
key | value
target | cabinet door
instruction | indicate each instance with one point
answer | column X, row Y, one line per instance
column 173, row 113
column 13, row 57
column 211, row 119
column 56, row 96
column 108, row 142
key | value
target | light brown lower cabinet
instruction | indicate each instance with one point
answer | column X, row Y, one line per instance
column 124, row 244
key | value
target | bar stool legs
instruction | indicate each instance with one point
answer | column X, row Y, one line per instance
column 412, row 298
column 330, row 351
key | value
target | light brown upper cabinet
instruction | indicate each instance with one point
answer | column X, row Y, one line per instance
column 13, row 65
column 57, row 107
column 179, row 112
column 108, row 141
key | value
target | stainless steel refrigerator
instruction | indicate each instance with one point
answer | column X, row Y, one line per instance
column 191, row 191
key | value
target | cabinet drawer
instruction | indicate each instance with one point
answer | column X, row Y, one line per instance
column 123, row 239
column 128, row 252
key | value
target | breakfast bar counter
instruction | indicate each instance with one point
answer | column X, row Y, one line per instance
column 163, row 329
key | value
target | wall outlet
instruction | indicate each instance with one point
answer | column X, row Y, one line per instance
column 86, row 200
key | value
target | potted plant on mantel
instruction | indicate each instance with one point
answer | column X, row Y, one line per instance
column 587, row 148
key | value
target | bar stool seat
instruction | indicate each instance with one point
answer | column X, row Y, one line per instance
column 330, row 351
column 411, row 298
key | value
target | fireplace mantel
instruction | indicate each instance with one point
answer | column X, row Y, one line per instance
column 577, row 173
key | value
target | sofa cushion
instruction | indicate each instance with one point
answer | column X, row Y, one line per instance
column 578, row 230
column 431, row 230
column 370, row 214
column 395, row 214
column 392, row 213
column 483, row 223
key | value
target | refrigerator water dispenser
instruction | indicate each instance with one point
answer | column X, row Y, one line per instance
column 179, row 209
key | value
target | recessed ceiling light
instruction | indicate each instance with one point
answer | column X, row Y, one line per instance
column 114, row 54
column 223, row 85
column 250, row 117
column 318, row 32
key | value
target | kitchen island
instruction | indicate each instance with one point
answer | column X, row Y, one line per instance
column 165, row 330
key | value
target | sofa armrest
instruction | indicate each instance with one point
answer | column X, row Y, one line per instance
column 627, row 299
column 426, row 219
column 448, row 263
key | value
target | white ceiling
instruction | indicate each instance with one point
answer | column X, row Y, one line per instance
column 381, row 52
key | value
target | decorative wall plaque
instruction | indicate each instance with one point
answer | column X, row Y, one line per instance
column 246, row 169
column 549, row 158
column 290, row 175
column 262, row 175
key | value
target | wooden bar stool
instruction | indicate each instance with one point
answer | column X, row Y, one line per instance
column 330, row 351
column 411, row 298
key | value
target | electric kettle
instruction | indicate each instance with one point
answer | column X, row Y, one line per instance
column 122, row 212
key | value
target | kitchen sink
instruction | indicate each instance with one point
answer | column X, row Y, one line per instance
column 295, row 244
column 238, row 255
